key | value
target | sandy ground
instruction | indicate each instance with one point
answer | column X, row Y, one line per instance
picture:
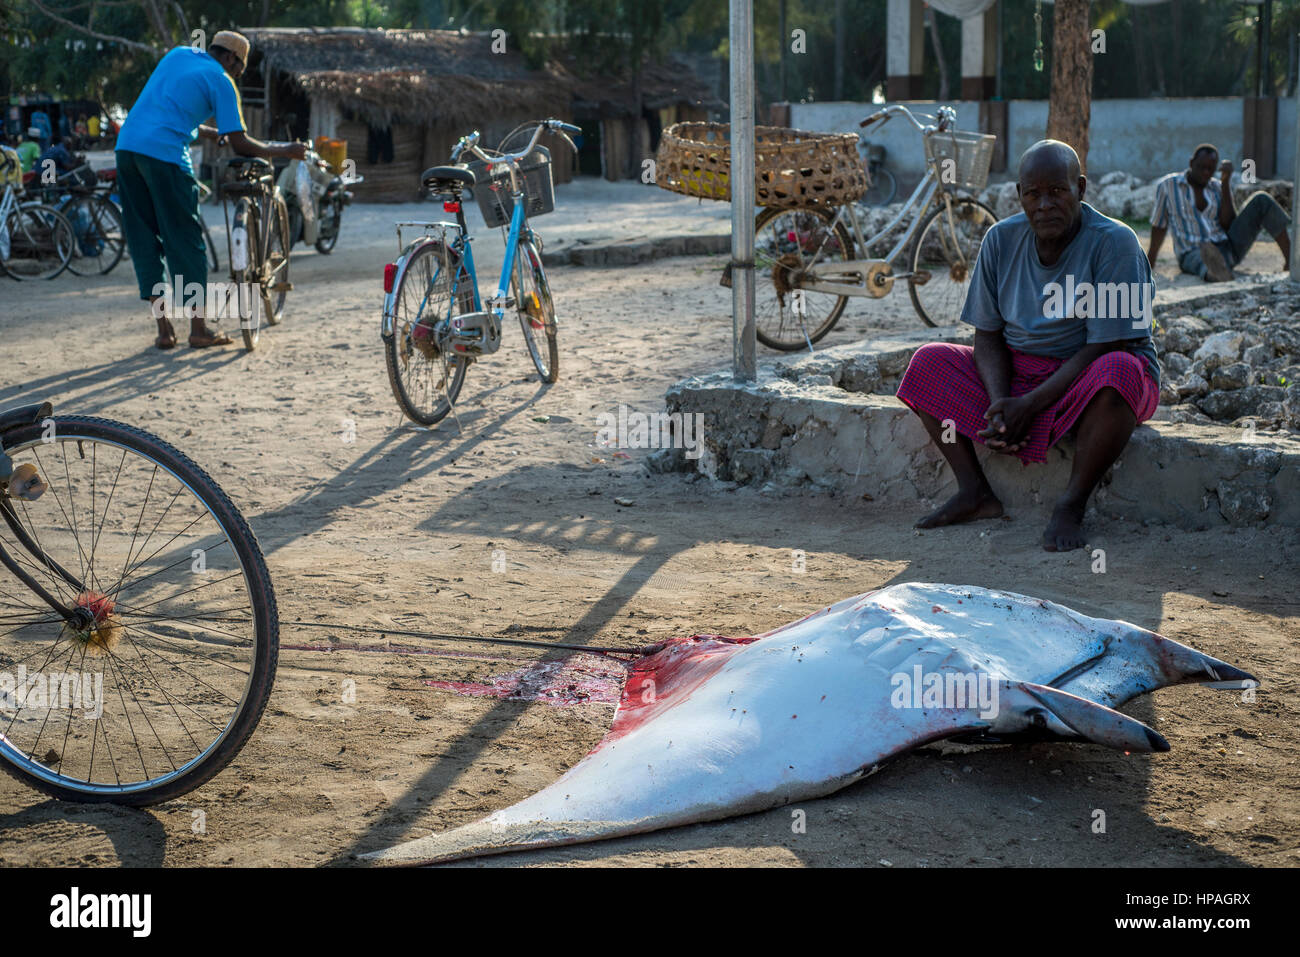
column 399, row 528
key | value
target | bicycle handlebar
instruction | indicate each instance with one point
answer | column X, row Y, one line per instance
column 470, row 143
column 944, row 118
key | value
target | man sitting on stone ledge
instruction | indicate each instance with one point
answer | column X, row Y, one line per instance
column 1210, row 236
column 1060, row 299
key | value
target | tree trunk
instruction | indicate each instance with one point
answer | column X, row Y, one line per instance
column 937, row 45
column 1070, row 108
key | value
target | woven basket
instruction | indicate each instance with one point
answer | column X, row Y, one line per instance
column 792, row 168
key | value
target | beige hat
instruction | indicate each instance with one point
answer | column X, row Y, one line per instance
column 236, row 43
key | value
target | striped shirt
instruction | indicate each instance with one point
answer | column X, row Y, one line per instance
column 1175, row 210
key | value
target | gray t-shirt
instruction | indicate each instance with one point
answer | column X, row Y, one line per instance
column 1100, row 290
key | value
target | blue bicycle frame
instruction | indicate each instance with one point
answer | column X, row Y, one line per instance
column 463, row 245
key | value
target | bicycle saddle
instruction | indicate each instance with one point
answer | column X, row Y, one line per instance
column 251, row 162
column 436, row 176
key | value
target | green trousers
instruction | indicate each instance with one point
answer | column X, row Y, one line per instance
column 164, row 232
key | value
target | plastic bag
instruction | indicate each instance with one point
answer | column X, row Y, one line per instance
column 302, row 187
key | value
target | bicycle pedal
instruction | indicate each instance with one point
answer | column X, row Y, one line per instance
column 507, row 302
column 282, row 287
column 726, row 277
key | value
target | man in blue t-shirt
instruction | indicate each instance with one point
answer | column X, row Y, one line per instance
column 155, row 178
column 1060, row 299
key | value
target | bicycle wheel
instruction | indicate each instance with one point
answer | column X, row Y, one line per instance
column 164, row 676
column 40, row 240
column 330, row 225
column 536, row 311
column 213, row 262
column 249, row 302
column 100, row 241
column 275, row 263
column 426, row 380
column 943, row 256
column 786, row 243
column 882, row 190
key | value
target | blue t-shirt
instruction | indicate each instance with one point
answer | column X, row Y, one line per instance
column 186, row 87
column 1100, row 290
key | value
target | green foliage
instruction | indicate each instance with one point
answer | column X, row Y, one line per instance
column 1179, row 48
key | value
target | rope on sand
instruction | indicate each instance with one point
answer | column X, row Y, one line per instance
column 635, row 652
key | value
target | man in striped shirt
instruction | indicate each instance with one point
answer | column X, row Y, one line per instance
column 1210, row 236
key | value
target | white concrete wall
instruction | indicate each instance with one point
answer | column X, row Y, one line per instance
column 1146, row 138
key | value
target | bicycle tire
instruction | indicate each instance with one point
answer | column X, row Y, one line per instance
column 772, row 272
column 274, row 267
column 250, row 325
column 536, row 310
column 326, row 246
column 29, row 221
column 939, row 309
column 213, row 262
column 106, row 226
column 264, row 617
column 400, row 348
column 883, row 189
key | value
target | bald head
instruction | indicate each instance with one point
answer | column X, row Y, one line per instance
column 1051, row 188
column 1053, row 154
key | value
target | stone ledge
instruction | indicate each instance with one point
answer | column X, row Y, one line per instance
column 629, row 252
column 778, row 434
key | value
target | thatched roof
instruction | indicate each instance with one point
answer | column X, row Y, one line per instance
column 422, row 76
column 662, row 84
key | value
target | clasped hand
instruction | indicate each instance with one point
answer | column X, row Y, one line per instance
column 1009, row 420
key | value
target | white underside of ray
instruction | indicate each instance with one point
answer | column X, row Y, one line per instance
column 809, row 707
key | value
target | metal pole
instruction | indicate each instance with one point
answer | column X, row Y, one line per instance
column 1295, row 195
column 1266, row 44
column 744, row 366
column 785, row 42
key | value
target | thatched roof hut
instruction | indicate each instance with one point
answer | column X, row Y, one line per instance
column 387, row 76
column 402, row 97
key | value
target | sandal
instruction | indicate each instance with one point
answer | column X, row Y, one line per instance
column 209, row 339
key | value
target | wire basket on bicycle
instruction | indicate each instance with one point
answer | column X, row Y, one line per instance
column 970, row 153
column 492, row 188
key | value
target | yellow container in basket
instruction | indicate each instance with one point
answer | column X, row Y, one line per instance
column 334, row 152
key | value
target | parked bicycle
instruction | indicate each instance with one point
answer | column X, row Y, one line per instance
column 810, row 261
column 36, row 240
column 435, row 323
column 882, row 187
column 96, row 221
column 138, row 624
column 257, row 244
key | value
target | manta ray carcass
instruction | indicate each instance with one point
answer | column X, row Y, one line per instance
column 710, row 727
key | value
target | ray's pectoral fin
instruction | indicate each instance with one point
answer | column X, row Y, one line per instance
column 1095, row 722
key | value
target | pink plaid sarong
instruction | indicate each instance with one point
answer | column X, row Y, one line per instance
column 942, row 379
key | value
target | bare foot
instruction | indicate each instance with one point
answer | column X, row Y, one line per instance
column 166, row 334
column 1216, row 267
column 963, row 507
column 1064, row 529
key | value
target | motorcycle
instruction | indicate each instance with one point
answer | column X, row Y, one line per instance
column 315, row 198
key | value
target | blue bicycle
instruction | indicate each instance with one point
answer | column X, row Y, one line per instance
column 435, row 324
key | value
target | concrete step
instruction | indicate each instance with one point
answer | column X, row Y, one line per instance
column 633, row 250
